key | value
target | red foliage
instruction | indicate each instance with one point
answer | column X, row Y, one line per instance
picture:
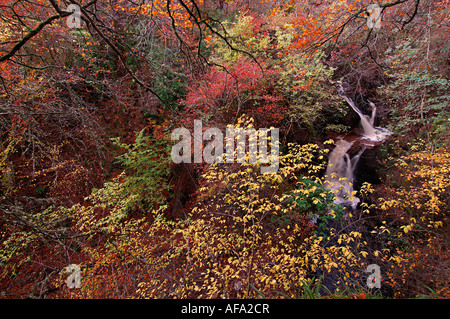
column 221, row 88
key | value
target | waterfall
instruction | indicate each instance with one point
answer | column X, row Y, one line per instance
column 339, row 175
column 340, row 172
column 370, row 132
column 367, row 124
column 374, row 111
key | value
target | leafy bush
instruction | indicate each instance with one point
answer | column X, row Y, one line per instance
column 147, row 164
column 419, row 96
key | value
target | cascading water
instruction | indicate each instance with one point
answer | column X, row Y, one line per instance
column 367, row 124
column 340, row 173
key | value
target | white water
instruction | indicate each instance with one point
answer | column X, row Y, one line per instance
column 368, row 129
column 370, row 132
column 340, row 173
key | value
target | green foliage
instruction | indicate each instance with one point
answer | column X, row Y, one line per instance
column 304, row 81
column 169, row 79
column 314, row 198
column 243, row 35
column 147, row 164
column 420, row 99
column 311, row 197
column 142, row 187
column 338, row 128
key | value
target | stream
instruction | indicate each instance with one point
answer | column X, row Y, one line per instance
column 341, row 168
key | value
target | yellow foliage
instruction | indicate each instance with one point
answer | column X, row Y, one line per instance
column 235, row 239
